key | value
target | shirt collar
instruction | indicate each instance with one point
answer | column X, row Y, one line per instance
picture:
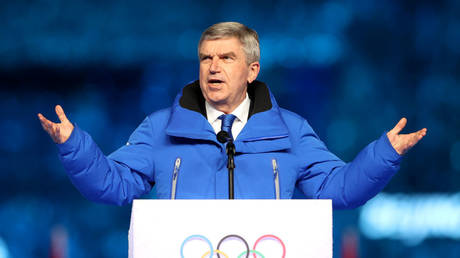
column 241, row 112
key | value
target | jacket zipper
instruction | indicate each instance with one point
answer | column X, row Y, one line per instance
column 174, row 179
column 277, row 180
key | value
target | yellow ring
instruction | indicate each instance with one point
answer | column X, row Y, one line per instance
column 215, row 251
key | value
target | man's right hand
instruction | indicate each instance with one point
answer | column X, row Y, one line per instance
column 59, row 132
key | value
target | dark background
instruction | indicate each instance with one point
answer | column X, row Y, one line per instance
column 352, row 68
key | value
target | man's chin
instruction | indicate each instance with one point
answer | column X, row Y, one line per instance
column 216, row 101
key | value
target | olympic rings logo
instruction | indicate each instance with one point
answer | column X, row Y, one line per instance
column 219, row 252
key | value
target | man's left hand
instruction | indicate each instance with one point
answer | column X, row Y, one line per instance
column 403, row 142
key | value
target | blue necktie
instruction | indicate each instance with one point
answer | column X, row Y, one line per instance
column 227, row 122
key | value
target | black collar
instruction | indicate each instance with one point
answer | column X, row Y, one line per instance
column 258, row 92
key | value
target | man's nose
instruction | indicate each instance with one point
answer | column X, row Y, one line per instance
column 215, row 66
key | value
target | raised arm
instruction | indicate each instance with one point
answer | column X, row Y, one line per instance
column 352, row 184
column 98, row 177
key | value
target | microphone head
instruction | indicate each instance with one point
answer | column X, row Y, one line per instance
column 223, row 137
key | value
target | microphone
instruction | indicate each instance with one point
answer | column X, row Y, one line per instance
column 223, row 137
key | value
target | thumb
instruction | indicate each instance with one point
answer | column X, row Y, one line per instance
column 399, row 126
column 60, row 113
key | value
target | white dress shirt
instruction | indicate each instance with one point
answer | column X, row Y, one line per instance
column 241, row 113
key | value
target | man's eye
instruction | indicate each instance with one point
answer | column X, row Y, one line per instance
column 205, row 58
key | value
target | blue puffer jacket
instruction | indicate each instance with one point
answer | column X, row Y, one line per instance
column 176, row 149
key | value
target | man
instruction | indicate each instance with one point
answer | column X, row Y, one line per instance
column 177, row 149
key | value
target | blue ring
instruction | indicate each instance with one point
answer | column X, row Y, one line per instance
column 196, row 236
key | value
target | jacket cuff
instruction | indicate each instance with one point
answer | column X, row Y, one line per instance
column 388, row 153
column 72, row 143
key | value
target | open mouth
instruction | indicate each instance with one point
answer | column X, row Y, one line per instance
column 215, row 81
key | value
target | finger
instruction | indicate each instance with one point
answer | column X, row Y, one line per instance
column 399, row 126
column 46, row 124
column 421, row 133
column 416, row 137
column 60, row 113
column 42, row 118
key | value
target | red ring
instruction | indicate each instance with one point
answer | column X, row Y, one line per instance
column 270, row 236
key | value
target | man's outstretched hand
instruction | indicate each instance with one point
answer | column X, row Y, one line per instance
column 59, row 132
column 403, row 142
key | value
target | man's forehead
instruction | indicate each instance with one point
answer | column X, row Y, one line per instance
column 220, row 46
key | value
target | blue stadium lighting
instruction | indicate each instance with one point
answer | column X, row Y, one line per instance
column 411, row 218
column 4, row 253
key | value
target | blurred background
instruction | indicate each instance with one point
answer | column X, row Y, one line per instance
column 351, row 68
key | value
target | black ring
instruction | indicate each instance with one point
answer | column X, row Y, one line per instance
column 236, row 236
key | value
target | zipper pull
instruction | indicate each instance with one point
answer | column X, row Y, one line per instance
column 174, row 179
column 276, row 178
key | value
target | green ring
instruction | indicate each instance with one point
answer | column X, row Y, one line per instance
column 251, row 251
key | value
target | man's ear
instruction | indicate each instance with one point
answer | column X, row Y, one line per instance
column 254, row 69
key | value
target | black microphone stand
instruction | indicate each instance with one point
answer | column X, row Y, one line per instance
column 231, row 167
column 223, row 137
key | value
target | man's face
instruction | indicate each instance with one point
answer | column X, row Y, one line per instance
column 224, row 73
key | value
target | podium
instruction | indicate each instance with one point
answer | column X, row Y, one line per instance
column 231, row 228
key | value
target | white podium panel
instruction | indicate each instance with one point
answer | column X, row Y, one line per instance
column 229, row 228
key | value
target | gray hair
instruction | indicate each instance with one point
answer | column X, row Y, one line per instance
column 247, row 36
